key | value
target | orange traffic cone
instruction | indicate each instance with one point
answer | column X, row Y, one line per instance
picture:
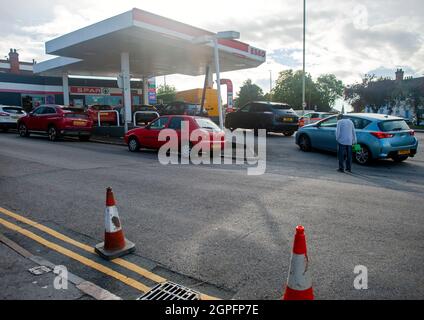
column 115, row 244
column 299, row 283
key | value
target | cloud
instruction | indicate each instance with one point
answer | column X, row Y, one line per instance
column 348, row 38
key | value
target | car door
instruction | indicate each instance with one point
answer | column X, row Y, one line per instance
column 241, row 117
column 48, row 117
column 260, row 116
column 150, row 135
column 35, row 120
column 324, row 137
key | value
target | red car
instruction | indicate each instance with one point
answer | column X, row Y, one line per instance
column 56, row 121
column 148, row 136
column 105, row 116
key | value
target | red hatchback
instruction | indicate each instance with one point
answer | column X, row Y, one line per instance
column 56, row 121
column 148, row 136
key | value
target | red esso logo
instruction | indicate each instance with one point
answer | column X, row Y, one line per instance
column 257, row 52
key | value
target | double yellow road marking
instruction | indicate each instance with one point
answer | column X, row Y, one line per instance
column 88, row 262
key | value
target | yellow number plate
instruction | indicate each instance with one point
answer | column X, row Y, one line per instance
column 288, row 119
column 80, row 123
column 404, row 152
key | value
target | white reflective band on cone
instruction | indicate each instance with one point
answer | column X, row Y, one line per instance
column 299, row 275
column 112, row 222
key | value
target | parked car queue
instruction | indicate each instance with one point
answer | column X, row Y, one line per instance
column 379, row 136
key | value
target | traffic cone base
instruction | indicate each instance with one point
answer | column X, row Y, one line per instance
column 291, row 294
column 113, row 254
column 115, row 244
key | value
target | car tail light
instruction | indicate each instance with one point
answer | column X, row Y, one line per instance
column 382, row 135
column 412, row 133
column 3, row 114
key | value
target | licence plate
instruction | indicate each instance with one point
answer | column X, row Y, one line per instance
column 216, row 146
column 15, row 117
column 104, row 115
column 288, row 119
column 404, row 152
column 80, row 123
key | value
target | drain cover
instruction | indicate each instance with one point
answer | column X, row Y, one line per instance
column 170, row 291
column 38, row 271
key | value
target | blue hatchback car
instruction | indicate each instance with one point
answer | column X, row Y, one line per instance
column 380, row 137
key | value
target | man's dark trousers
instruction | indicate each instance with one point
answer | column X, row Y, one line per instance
column 345, row 152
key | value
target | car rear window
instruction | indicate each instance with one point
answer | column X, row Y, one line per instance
column 281, row 106
column 102, row 107
column 207, row 124
column 13, row 110
column 393, row 125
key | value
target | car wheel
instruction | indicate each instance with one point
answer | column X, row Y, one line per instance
column 5, row 130
column 399, row 158
column 23, row 130
column 84, row 138
column 133, row 144
column 52, row 133
column 288, row 133
column 363, row 157
column 305, row 143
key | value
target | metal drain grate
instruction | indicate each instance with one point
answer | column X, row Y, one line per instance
column 170, row 291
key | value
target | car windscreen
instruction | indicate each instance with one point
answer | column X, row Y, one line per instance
column 207, row 124
column 393, row 125
column 13, row 110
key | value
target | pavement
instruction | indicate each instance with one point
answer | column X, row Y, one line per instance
column 213, row 227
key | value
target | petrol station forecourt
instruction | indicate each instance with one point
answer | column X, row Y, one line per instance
column 210, row 228
column 141, row 45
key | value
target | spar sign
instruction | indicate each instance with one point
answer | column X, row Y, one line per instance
column 89, row 91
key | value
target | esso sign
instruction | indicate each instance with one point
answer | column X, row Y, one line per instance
column 257, row 52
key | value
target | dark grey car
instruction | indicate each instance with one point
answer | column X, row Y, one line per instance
column 273, row 117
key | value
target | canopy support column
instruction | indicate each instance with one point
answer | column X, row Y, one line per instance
column 145, row 91
column 65, row 84
column 126, row 87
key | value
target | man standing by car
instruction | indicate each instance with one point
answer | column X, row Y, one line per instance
column 346, row 138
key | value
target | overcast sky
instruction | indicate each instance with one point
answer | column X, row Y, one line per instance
column 348, row 38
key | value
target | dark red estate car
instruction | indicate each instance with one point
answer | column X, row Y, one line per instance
column 107, row 114
column 148, row 136
column 56, row 121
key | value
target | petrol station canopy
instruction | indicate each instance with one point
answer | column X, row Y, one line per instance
column 156, row 46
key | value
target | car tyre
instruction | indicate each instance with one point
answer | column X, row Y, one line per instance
column 23, row 130
column 288, row 133
column 52, row 133
column 305, row 143
column 133, row 145
column 399, row 158
column 363, row 157
column 5, row 130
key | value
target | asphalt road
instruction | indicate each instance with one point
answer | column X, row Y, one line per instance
column 217, row 228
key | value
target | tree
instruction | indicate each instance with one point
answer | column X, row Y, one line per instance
column 329, row 89
column 248, row 92
column 166, row 93
column 322, row 93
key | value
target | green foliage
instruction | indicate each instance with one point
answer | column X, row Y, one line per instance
column 383, row 91
column 166, row 93
column 321, row 93
column 248, row 92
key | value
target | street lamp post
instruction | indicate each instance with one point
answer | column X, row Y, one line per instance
column 231, row 35
column 304, row 58
column 270, row 85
